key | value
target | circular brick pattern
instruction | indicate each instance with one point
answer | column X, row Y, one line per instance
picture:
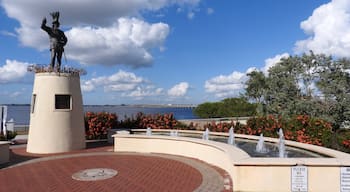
column 53, row 172
column 135, row 173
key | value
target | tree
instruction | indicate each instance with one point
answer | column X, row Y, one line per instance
column 309, row 102
column 334, row 83
column 206, row 110
column 230, row 107
column 283, row 90
column 308, row 74
column 236, row 107
column 311, row 84
column 256, row 86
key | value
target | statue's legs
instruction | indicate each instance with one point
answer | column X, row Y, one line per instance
column 53, row 57
column 59, row 59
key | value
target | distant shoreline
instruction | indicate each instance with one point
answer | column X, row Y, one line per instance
column 131, row 105
column 21, row 113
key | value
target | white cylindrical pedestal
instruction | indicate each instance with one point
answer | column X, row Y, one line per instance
column 56, row 116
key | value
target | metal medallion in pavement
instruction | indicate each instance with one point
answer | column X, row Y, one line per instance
column 94, row 174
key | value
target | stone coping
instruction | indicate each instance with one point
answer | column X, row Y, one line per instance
column 232, row 151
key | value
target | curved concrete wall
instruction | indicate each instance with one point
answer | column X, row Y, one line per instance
column 247, row 173
column 218, row 154
column 56, row 130
column 4, row 152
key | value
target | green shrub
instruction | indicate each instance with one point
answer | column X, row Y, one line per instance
column 230, row 107
column 10, row 135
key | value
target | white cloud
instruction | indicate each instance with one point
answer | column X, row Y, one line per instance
column 87, row 86
column 120, row 81
column 120, row 87
column 16, row 94
column 270, row 62
column 143, row 91
column 82, row 12
column 226, row 85
column 129, row 41
column 99, row 33
column 13, row 71
column 126, row 84
column 231, row 85
column 190, row 15
column 178, row 90
column 7, row 33
column 328, row 29
column 123, row 76
column 210, row 11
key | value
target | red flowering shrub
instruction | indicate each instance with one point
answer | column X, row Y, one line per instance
column 310, row 130
column 300, row 128
column 98, row 124
column 223, row 126
column 343, row 136
column 346, row 143
column 157, row 121
column 267, row 125
column 220, row 127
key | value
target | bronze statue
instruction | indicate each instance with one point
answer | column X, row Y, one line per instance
column 57, row 39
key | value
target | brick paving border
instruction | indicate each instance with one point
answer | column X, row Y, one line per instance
column 213, row 178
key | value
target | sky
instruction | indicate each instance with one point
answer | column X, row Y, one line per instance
column 165, row 51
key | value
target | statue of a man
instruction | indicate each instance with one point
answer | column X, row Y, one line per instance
column 57, row 39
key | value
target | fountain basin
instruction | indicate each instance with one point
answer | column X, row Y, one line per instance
column 247, row 173
column 245, row 142
column 271, row 149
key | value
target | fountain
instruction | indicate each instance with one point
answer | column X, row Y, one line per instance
column 305, row 169
column 281, row 144
column 231, row 138
column 206, row 134
column 260, row 147
column 174, row 133
column 149, row 131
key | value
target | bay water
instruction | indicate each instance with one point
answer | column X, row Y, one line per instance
column 21, row 113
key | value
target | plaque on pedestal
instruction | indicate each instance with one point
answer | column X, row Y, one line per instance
column 299, row 179
column 344, row 179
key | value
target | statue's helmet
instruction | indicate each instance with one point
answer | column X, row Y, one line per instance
column 55, row 17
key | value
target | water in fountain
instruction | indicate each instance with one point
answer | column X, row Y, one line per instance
column 281, row 145
column 149, row 131
column 206, row 134
column 260, row 147
column 174, row 133
column 231, row 137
